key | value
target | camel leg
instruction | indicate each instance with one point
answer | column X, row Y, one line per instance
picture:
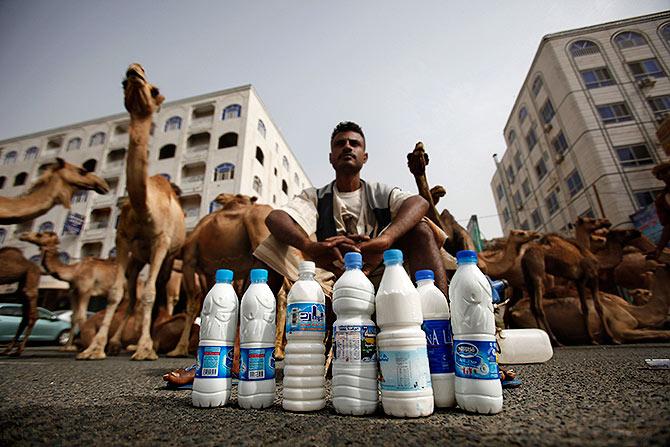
column 534, row 273
column 595, row 292
column 145, row 347
column 80, row 302
column 644, row 335
column 134, row 267
column 30, row 292
column 193, row 298
column 581, row 291
column 517, row 294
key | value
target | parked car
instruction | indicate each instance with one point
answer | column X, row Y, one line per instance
column 48, row 326
column 66, row 315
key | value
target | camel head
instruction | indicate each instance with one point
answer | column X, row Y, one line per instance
column 140, row 98
column 46, row 239
column 622, row 237
column 590, row 224
column 522, row 236
column 437, row 192
column 65, row 178
column 662, row 172
column 228, row 201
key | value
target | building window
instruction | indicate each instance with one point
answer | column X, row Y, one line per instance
column 525, row 226
column 523, row 113
column 540, row 169
column 629, row 39
column 10, row 158
column 645, row 198
column 552, row 203
column 2, row 181
column 257, row 185
column 173, row 123
column 3, row 234
column 284, row 187
column 511, row 136
column 574, row 181
column 225, row 171
column 259, row 155
column 614, row 113
column 284, row 162
column 74, row 144
column 20, row 179
column 547, row 111
column 261, row 128
column 531, row 139
column 597, row 77
column 167, row 151
column 537, row 85
column 660, row 105
column 232, row 111
column 296, row 180
column 228, row 140
column 90, row 165
column 79, row 197
column 588, row 213
column 583, row 48
column 46, row 226
column 646, row 68
column 517, row 160
column 536, row 217
column 635, row 155
column 517, row 199
column 665, row 32
column 510, row 174
column 500, row 191
column 525, row 186
column 31, row 153
column 506, row 215
column 559, row 143
column 97, row 139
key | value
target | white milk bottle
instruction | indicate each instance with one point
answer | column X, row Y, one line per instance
column 437, row 326
column 304, row 364
column 218, row 325
column 403, row 360
column 354, row 335
column 478, row 387
column 256, row 388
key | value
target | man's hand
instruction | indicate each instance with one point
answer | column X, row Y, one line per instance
column 325, row 253
column 373, row 252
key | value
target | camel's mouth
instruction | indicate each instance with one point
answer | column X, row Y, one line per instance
column 25, row 237
column 101, row 187
column 135, row 72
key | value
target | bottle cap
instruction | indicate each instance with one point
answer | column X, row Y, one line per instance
column 392, row 256
column 424, row 274
column 259, row 275
column 353, row 260
column 224, row 275
column 466, row 257
column 307, row 267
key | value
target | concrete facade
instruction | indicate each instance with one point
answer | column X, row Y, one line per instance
column 581, row 136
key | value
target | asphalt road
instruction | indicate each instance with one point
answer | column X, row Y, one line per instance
column 583, row 396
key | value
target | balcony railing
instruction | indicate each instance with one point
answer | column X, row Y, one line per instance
column 98, row 225
column 202, row 122
column 197, row 152
column 115, row 165
column 194, row 179
column 108, row 198
column 191, row 221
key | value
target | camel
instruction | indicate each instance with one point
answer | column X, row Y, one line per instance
column 87, row 278
column 151, row 226
column 174, row 287
column 54, row 187
column 586, row 227
column 14, row 267
column 662, row 203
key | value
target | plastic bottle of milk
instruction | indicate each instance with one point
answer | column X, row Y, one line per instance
column 477, row 383
column 403, row 360
column 304, row 370
column 256, row 388
column 218, row 325
column 354, row 334
column 437, row 326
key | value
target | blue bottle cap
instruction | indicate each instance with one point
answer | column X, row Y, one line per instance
column 353, row 260
column 259, row 275
column 424, row 274
column 466, row 257
column 392, row 256
column 224, row 275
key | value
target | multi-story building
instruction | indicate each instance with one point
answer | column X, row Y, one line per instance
column 581, row 136
column 222, row 142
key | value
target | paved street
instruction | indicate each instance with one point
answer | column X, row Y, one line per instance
column 583, row 396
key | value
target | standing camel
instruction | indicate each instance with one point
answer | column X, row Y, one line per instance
column 586, row 227
column 87, row 278
column 151, row 226
column 54, row 187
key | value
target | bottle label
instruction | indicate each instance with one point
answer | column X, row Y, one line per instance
column 305, row 317
column 214, row 362
column 355, row 343
column 257, row 364
column 476, row 359
column 404, row 370
column 440, row 346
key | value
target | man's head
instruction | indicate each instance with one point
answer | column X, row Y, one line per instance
column 347, row 148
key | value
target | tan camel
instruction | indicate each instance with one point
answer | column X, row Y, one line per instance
column 151, row 226
column 174, row 286
column 586, row 227
column 88, row 277
column 16, row 268
column 662, row 203
column 54, row 187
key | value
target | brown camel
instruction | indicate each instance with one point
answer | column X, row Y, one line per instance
column 151, row 226
column 586, row 227
column 611, row 255
column 54, row 187
column 174, row 286
column 662, row 203
column 88, row 277
column 15, row 268
column 635, row 269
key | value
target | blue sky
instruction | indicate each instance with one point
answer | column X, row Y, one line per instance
column 443, row 72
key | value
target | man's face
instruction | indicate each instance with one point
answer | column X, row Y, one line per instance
column 347, row 152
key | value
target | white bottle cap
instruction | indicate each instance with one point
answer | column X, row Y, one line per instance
column 307, row 267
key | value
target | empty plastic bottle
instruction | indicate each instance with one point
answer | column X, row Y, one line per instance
column 256, row 388
column 304, row 364
column 403, row 360
column 437, row 326
column 218, row 325
column 354, row 335
column 477, row 384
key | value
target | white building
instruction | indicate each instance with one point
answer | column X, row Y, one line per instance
column 222, row 142
column 581, row 136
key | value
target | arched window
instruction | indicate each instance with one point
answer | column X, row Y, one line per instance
column 167, row 177
column 523, row 113
column 232, row 111
column 261, row 128
column 97, row 139
column 225, row 171
column 74, row 144
column 173, row 123
column 3, row 233
column 167, row 151
column 537, row 85
column 284, row 187
column 31, row 153
column 284, row 162
column 64, row 257
column 259, row 155
column 46, row 226
column 90, row 165
column 583, row 48
column 296, row 179
column 228, row 140
column 257, row 185
column 665, row 32
column 629, row 39
column 2, row 181
column 511, row 136
column 10, row 158
column 20, row 179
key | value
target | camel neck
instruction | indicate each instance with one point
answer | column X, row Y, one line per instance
column 137, row 161
column 55, row 266
column 41, row 198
